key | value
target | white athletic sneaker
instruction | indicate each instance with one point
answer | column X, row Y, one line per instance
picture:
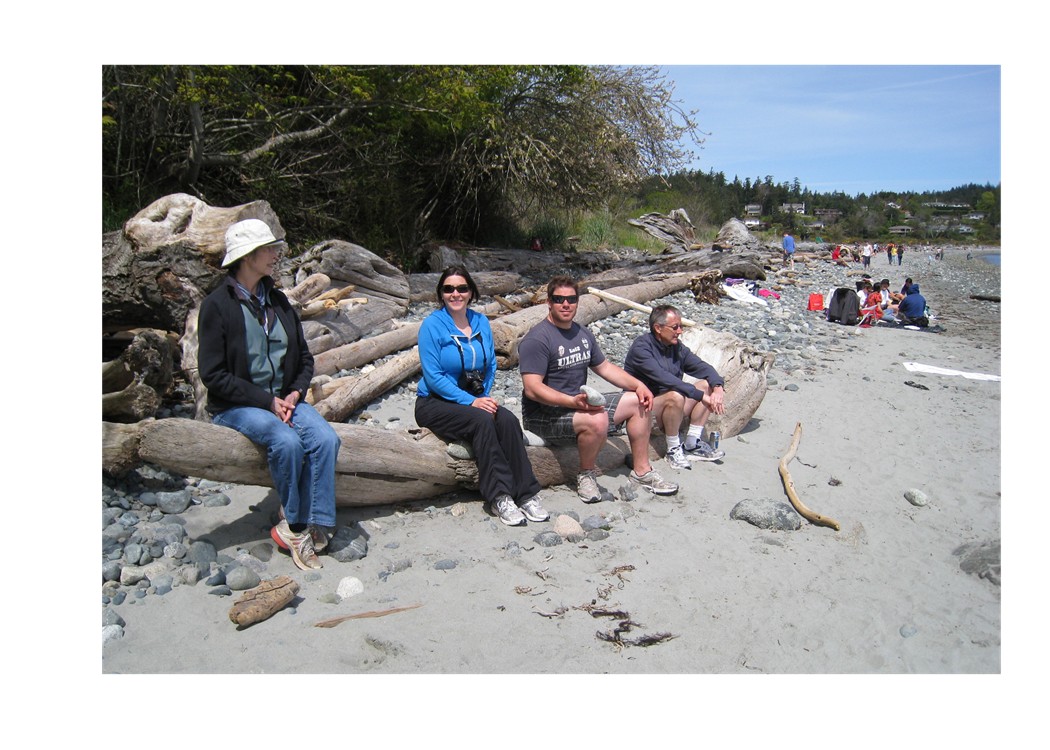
column 653, row 482
column 533, row 510
column 508, row 512
column 676, row 457
column 587, row 486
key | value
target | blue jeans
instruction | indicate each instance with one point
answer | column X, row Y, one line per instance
column 301, row 458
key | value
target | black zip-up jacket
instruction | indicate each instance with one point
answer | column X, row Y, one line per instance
column 222, row 355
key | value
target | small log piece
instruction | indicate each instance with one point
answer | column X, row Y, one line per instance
column 263, row 601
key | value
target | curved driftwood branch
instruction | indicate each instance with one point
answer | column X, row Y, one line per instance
column 789, row 485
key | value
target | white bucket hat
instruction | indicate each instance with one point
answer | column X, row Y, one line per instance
column 245, row 236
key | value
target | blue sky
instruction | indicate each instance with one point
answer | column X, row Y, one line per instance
column 849, row 128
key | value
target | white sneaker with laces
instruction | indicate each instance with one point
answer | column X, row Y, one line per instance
column 508, row 512
column 676, row 457
column 533, row 510
column 587, row 486
column 653, row 482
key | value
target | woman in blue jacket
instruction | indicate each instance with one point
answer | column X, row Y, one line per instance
column 453, row 400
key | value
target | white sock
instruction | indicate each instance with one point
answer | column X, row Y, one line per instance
column 673, row 441
column 696, row 434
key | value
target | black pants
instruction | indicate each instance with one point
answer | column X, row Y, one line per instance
column 499, row 446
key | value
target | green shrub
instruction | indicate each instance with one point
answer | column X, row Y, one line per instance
column 552, row 232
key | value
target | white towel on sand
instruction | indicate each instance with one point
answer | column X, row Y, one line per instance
column 917, row 367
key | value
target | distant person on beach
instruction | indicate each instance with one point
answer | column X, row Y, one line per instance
column 912, row 309
column 865, row 254
column 900, row 254
column 454, row 401
column 255, row 363
column 904, row 290
column 554, row 360
column 890, row 248
column 659, row 359
column 789, row 250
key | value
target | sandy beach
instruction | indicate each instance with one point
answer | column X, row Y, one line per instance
column 451, row 591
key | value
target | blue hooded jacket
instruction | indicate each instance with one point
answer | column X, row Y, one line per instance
column 914, row 304
column 444, row 353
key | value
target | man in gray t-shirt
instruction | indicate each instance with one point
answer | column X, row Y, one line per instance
column 554, row 358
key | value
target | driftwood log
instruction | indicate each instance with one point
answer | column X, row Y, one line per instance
column 166, row 259
column 490, row 283
column 354, row 392
column 147, row 359
column 363, row 351
column 374, row 466
column 133, row 403
column 789, row 485
column 675, row 229
column 263, row 601
column 744, row 369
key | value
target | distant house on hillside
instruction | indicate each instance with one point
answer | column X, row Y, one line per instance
column 828, row 214
column 752, row 222
column 975, row 216
column 792, row 208
column 753, row 209
column 899, row 230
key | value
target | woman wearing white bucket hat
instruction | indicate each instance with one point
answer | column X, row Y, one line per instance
column 255, row 363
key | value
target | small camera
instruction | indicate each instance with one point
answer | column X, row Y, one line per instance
column 473, row 382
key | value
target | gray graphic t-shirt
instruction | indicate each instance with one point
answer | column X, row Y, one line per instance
column 562, row 357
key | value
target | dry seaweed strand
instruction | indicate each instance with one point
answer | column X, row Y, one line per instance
column 374, row 613
column 789, row 485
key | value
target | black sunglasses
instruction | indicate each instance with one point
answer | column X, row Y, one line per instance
column 462, row 289
column 558, row 299
column 675, row 327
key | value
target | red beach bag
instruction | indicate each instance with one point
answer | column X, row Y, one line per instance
column 816, row 301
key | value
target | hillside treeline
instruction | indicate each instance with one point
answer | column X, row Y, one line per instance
column 388, row 156
column 710, row 199
column 393, row 156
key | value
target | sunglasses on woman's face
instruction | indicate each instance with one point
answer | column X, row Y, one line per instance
column 559, row 299
column 462, row 289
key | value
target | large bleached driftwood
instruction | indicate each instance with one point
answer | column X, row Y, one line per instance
column 374, row 467
column 166, row 258
column 744, row 369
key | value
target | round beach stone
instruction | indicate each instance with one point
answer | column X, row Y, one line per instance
column 916, row 497
column 112, row 633
column 594, row 522
column 202, row 554
column 109, row 617
column 767, row 514
column 175, row 550
column 174, row 502
column 240, row 578
column 567, row 526
column 445, row 564
column 349, row 586
column 111, row 570
column 548, row 539
column 215, row 500
column 261, row 551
